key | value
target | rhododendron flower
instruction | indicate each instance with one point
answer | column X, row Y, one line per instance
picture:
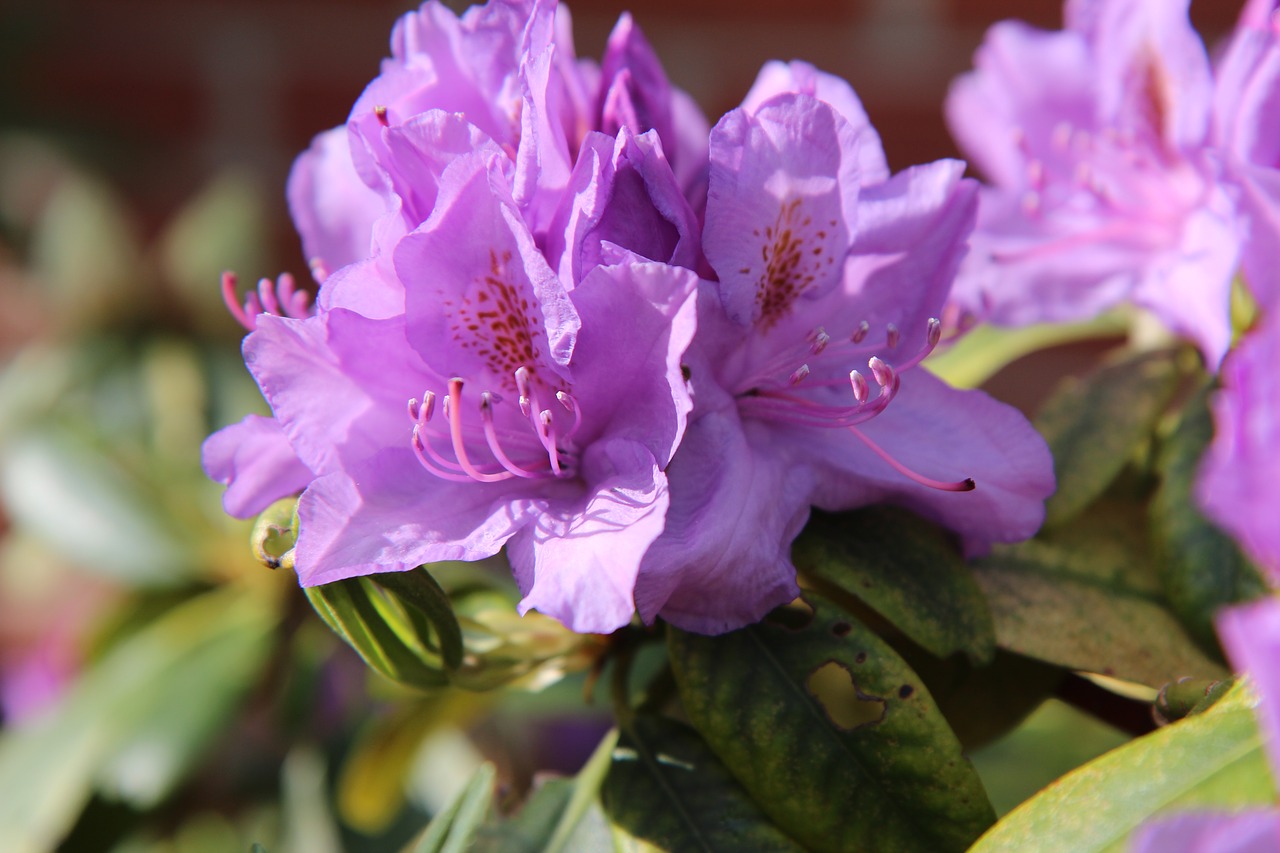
column 1239, row 485
column 540, row 419
column 824, row 271
column 530, row 291
column 1104, row 187
column 1250, row 636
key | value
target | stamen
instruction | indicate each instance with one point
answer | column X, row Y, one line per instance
column 571, row 404
column 267, row 293
column 380, row 112
column 428, row 458
column 798, row 375
column 487, row 400
column 229, row 297
column 522, row 385
column 281, row 298
column 883, row 373
column 820, row 340
column 454, row 402
column 965, row 485
column 860, row 333
column 861, row 391
column 892, row 335
column 319, row 270
column 548, row 436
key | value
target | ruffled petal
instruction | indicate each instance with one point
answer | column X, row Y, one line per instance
column 637, row 321
column 780, row 206
column 944, row 434
column 736, row 506
column 578, row 561
column 333, row 209
column 254, row 460
column 390, row 515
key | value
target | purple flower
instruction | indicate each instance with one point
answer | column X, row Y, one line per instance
column 1239, row 485
column 1104, row 188
column 1251, row 637
column 825, row 269
column 1247, row 128
column 541, row 418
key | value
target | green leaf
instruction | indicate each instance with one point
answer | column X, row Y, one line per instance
column 135, row 722
column 1094, row 425
column 667, row 787
column 1201, row 568
column 1085, row 596
column 80, row 504
column 832, row 734
column 907, row 570
column 981, row 703
column 563, row 816
column 1211, row 760
column 424, row 596
column 454, row 829
column 379, row 631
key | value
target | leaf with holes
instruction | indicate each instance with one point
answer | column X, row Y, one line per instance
column 1201, row 568
column 1212, row 760
column 907, row 570
column 666, row 786
column 832, row 734
column 1086, row 597
column 1094, row 425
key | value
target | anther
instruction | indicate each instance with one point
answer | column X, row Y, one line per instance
column 798, row 375
column 934, row 333
column 861, row 332
column 892, row 336
column 820, row 339
column 861, row 391
column 882, row 372
column 381, row 113
column 522, row 385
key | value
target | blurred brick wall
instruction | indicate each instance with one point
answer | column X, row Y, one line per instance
column 160, row 94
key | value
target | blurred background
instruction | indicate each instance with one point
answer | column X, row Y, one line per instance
column 159, row 689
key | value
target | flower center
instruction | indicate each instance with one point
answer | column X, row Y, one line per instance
column 781, row 391
column 495, row 443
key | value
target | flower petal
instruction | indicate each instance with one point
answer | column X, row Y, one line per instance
column 578, row 561
column 945, row 434
column 254, row 460
column 390, row 515
column 736, row 506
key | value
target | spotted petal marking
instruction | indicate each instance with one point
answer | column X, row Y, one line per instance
column 497, row 322
column 793, row 255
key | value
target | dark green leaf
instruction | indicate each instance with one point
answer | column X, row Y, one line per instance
column 984, row 702
column 1211, row 760
column 455, row 827
column 421, row 592
column 667, row 787
column 1094, row 425
column 832, row 734
column 353, row 609
column 1201, row 568
column 907, row 570
column 1085, row 596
